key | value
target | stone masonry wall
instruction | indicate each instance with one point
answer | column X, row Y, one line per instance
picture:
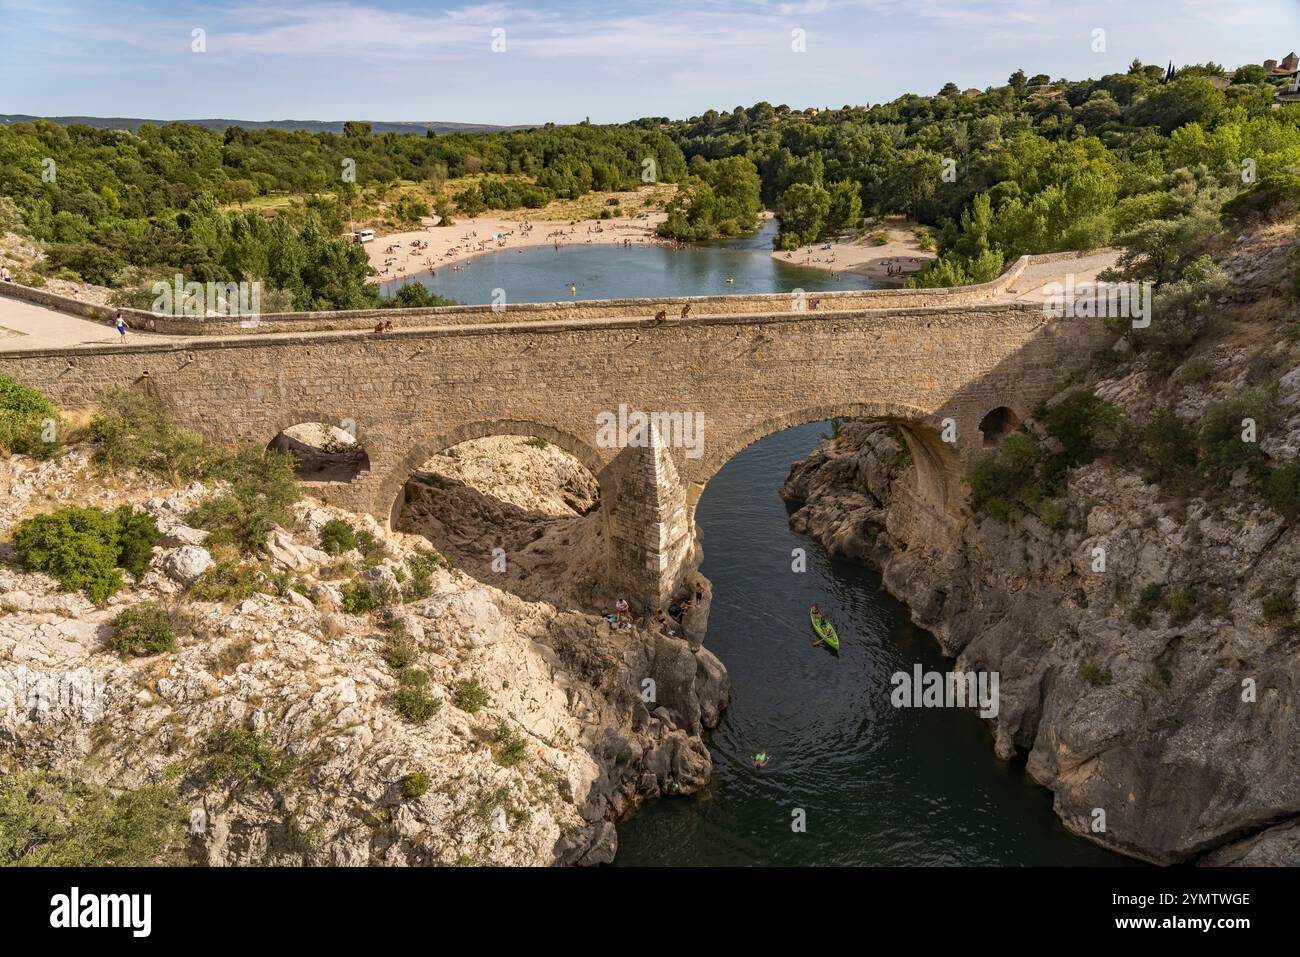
column 412, row 393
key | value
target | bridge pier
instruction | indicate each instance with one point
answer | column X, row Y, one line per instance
column 651, row 534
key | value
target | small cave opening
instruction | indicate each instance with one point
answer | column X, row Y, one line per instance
column 997, row 425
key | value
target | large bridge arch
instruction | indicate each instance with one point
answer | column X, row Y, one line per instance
column 938, row 464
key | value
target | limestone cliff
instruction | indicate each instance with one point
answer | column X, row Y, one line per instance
column 542, row 739
column 1160, row 684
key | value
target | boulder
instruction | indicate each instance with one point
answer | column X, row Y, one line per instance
column 187, row 563
column 288, row 554
column 178, row 535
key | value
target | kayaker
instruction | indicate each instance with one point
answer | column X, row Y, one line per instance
column 816, row 613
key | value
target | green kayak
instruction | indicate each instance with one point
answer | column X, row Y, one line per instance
column 826, row 632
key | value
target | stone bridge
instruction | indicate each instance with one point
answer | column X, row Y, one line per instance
column 951, row 377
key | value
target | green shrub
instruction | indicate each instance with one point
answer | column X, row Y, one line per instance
column 415, row 785
column 1170, row 449
column 1082, row 422
column 86, row 548
column 510, row 746
column 1026, row 472
column 400, row 652
column 1195, row 369
column 240, row 754
column 1181, row 605
column 137, row 533
column 470, row 696
column 413, row 700
column 24, row 415
column 1282, row 490
column 132, row 431
column 1279, row 607
column 1222, row 448
column 359, row 598
column 421, row 565
column 143, row 629
column 232, row 580
column 51, row 821
column 1095, row 675
column 536, row 442
column 373, row 550
column 1007, row 477
column 263, row 489
column 337, row 537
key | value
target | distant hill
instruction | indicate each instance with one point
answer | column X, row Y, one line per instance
column 311, row 126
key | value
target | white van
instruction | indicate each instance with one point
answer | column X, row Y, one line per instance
column 363, row 236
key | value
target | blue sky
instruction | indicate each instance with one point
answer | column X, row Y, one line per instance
column 563, row 61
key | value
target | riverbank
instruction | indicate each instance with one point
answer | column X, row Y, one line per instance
column 889, row 263
column 435, row 247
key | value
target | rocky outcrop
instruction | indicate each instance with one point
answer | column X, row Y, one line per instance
column 582, row 721
column 1148, row 664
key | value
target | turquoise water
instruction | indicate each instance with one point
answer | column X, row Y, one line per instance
column 877, row 785
column 543, row 273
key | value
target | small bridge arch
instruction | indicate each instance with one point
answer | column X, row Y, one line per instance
column 392, row 487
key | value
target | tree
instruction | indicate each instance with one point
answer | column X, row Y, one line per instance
column 803, row 211
column 845, row 210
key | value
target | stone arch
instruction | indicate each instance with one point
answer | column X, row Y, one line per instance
column 388, row 497
column 349, row 468
column 997, row 424
column 938, row 464
column 288, row 419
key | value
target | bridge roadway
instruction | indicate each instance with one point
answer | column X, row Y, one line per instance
column 27, row 326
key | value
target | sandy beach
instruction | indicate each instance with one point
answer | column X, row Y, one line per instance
column 890, row 263
column 434, row 247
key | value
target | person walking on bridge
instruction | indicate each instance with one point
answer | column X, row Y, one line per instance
column 120, row 324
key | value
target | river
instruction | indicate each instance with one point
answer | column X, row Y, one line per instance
column 544, row 274
column 877, row 785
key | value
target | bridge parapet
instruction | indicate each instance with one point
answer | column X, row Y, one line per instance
column 365, row 319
